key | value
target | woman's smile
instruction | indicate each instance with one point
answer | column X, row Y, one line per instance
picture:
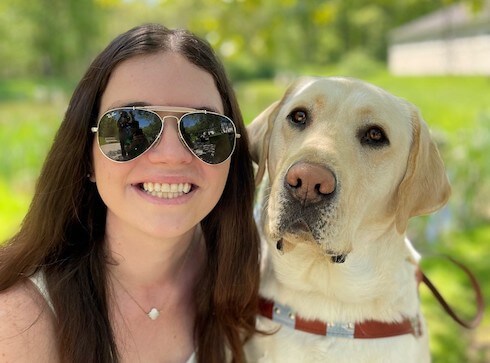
column 165, row 190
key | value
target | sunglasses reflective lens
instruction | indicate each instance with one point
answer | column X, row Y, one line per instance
column 126, row 133
column 211, row 137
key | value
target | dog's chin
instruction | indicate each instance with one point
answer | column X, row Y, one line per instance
column 300, row 238
column 300, row 229
column 300, row 233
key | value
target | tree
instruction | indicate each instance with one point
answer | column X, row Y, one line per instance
column 60, row 33
column 255, row 38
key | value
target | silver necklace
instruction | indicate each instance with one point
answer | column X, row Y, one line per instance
column 154, row 312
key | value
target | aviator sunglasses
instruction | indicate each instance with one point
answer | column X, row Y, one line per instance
column 125, row 133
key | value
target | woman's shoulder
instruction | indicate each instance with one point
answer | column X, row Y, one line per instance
column 27, row 325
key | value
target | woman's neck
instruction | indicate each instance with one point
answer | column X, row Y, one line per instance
column 144, row 262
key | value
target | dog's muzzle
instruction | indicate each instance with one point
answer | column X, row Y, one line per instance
column 308, row 200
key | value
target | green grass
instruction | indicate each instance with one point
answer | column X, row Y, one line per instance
column 450, row 103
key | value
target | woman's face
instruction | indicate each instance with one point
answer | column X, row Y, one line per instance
column 163, row 79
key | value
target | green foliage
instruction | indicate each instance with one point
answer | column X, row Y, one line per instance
column 359, row 64
column 246, row 69
column 255, row 38
column 48, row 37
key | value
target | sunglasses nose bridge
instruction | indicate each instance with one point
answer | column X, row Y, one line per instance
column 159, row 139
column 169, row 116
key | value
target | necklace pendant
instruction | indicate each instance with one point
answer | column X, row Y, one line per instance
column 153, row 314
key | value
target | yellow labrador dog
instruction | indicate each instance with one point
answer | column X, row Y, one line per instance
column 343, row 165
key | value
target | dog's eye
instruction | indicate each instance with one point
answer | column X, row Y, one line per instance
column 373, row 136
column 298, row 117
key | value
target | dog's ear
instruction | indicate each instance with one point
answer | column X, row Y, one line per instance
column 425, row 187
column 259, row 132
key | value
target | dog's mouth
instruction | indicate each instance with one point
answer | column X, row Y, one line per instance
column 283, row 246
column 299, row 226
column 299, row 231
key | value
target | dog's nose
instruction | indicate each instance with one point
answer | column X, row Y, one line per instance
column 310, row 183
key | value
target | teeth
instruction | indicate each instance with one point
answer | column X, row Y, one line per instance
column 166, row 191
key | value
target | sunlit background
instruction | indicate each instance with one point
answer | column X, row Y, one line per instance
column 434, row 53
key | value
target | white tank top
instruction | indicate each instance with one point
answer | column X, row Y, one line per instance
column 39, row 280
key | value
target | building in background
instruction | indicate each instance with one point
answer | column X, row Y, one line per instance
column 451, row 41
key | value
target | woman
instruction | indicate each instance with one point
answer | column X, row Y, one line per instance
column 138, row 253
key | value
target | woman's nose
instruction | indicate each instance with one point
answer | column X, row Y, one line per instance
column 169, row 148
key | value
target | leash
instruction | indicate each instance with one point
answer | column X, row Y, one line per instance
column 480, row 304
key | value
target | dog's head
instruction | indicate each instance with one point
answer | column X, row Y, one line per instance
column 346, row 161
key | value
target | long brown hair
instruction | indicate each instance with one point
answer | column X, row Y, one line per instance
column 64, row 228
